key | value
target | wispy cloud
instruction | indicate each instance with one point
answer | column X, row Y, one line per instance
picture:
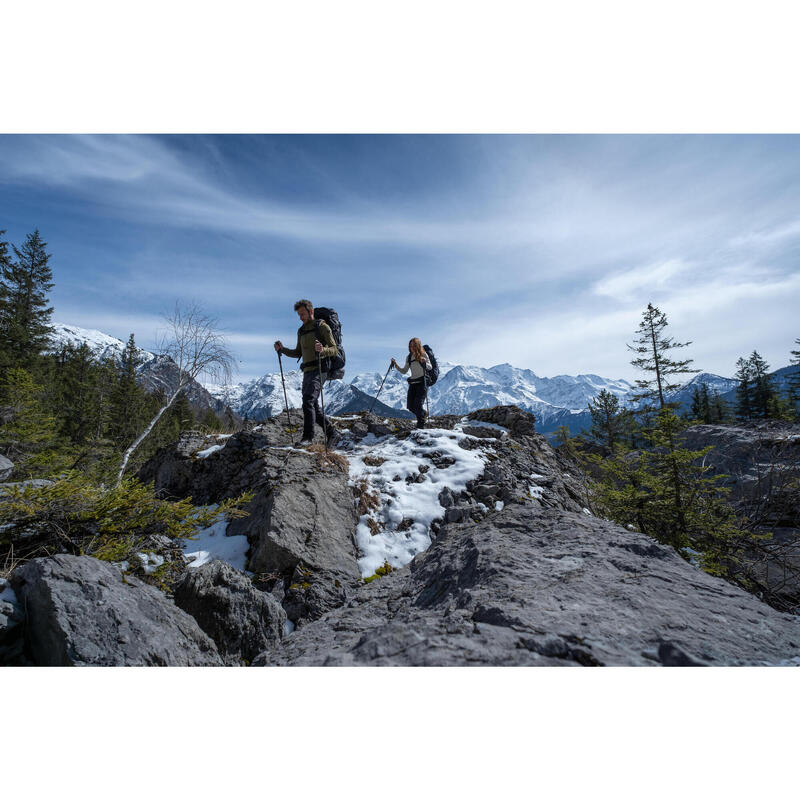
column 649, row 278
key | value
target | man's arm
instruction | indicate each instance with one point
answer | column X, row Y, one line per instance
column 296, row 353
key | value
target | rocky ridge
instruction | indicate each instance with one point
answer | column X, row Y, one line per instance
column 511, row 569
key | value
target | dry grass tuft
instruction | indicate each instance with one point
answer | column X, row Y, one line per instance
column 329, row 458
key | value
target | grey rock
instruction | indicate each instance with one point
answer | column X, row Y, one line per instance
column 759, row 464
column 11, row 617
column 446, row 499
column 81, row 611
column 242, row 620
column 544, row 587
column 301, row 517
column 6, row 468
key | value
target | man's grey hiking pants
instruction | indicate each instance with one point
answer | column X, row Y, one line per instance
column 312, row 386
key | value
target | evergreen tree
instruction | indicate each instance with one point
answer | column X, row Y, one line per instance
column 77, row 409
column 667, row 493
column 701, row 409
column 127, row 413
column 609, row 422
column 230, row 422
column 762, row 388
column 24, row 312
column 794, row 381
column 652, row 347
column 30, row 437
column 696, row 411
column 744, row 408
column 719, row 409
column 211, row 421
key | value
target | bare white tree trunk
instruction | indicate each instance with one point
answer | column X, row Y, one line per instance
column 143, row 436
column 194, row 343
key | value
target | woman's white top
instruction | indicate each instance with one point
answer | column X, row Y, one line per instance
column 417, row 369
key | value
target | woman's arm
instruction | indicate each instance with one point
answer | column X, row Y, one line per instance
column 404, row 368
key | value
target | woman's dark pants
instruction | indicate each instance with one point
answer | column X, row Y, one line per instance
column 415, row 403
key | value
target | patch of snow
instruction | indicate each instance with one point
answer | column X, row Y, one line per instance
column 288, row 627
column 464, row 422
column 209, row 450
column 535, row 491
column 499, row 505
column 586, row 511
column 150, row 562
column 211, row 543
column 400, row 500
column 123, row 565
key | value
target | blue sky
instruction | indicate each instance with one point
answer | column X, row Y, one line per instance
column 541, row 251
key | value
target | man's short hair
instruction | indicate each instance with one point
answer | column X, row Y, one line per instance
column 306, row 304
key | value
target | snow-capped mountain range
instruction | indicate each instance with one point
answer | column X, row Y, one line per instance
column 561, row 400
column 459, row 390
column 101, row 344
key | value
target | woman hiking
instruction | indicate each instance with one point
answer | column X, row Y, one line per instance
column 419, row 364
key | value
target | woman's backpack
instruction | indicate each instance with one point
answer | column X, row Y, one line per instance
column 431, row 375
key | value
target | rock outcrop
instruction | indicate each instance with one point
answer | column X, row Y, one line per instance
column 242, row 620
column 300, row 522
column 516, row 570
column 6, row 468
column 534, row 586
column 82, row 612
column 760, row 463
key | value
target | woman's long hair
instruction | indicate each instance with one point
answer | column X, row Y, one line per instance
column 415, row 348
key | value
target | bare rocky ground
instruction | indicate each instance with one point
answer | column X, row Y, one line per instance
column 515, row 574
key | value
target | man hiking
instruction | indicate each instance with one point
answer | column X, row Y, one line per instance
column 314, row 342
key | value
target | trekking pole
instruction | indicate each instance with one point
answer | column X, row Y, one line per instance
column 286, row 399
column 322, row 400
column 379, row 389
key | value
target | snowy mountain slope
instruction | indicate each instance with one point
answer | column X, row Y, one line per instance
column 101, row 344
column 155, row 373
column 459, row 390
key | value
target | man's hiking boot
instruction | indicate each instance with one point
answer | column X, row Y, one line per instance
column 305, row 442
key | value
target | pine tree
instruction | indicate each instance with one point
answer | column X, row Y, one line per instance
column 609, row 422
column 127, row 414
column 719, row 409
column 78, row 407
column 744, row 406
column 794, row 381
column 30, row 438
column 652, row 347
column 24, row 312
column 762, row 389
column 696, row 412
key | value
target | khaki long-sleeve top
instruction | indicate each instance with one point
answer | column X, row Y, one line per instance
column 305, row 344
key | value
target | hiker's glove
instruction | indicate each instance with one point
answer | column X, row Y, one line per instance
column 278, row 346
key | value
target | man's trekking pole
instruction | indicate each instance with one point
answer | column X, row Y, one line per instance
column 379, row 390
column 322, row 400
column 286, row 400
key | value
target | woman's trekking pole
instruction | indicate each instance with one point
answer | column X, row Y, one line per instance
column 379, row 390
column 322, row 400
column 286, row 400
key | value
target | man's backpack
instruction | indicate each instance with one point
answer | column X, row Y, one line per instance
column 431, row 375
column 334, row 367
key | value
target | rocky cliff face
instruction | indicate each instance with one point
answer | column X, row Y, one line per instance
column 474, row 541
column 760, row 463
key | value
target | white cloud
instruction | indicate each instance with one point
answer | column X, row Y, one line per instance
column 625, row 285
